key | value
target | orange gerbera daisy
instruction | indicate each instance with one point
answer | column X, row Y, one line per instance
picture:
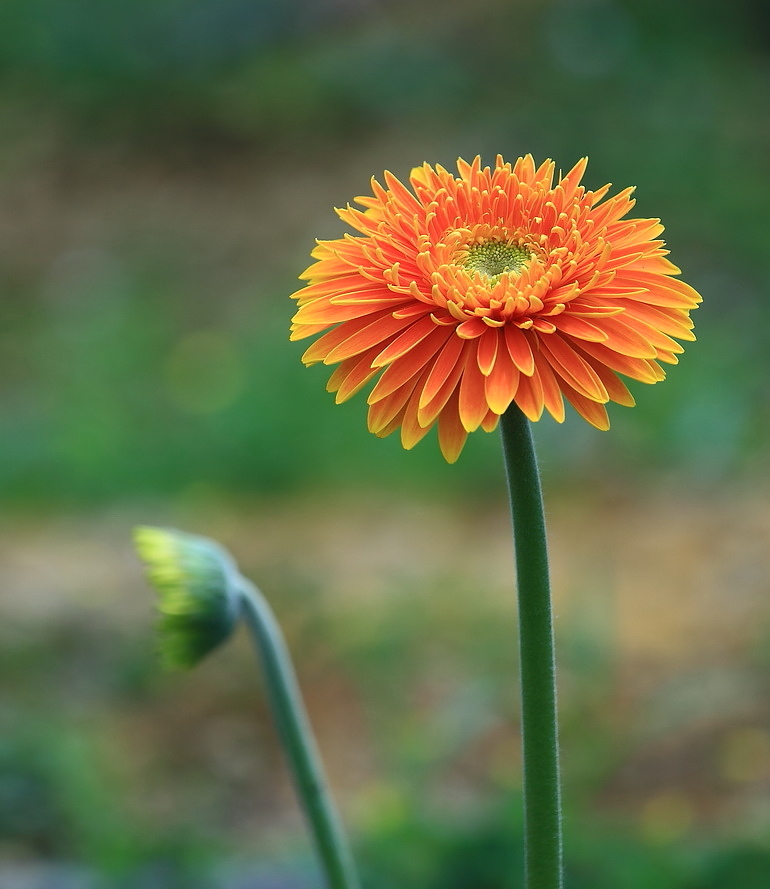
column 495, row 286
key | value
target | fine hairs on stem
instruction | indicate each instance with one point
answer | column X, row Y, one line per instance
column 542, row 795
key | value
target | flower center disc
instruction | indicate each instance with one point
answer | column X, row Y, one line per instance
column 493, row 258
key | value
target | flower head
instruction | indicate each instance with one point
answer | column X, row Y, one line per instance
column 471, row 292
column 197, row 589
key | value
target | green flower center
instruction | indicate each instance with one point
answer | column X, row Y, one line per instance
column 493, row 258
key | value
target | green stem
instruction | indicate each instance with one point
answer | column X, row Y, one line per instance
column 298, row 740
column 542, row 802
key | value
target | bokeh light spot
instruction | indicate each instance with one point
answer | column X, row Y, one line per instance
column 665, row 817
column 745, row 755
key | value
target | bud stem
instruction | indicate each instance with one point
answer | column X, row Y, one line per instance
column 298, row 740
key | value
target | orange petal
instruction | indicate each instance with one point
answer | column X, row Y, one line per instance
column 595, row 413
column 378, row 332
column 322, row 346
column 302, row 331
column 519, row 349
column 658, row 290
column 624, row 339
column 395, row 375
column 430, row 411
column 451, row 432
column 579, row 327
column 472, row 404
column 529, row 397
column 445, row 365
column 321, row 311
column 382, row 412
column 655, row 337
column 352, row 285
column 406, row 199
column 489, row 423
column 552, row 399
column 469, row 330
column 411, row 429
column 351, row 376
column 488, row 346
column 394, row 424
column 571, row 181
column 636, row 368
column 524, row 168
column 572, row 368
column 615, row 387
column 406, row 341
column 501, row 384
column 674, row 322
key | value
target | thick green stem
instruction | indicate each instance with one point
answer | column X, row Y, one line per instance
column 298, row 740
column 542, row 797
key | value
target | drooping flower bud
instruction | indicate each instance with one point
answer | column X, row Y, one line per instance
column 198, row 593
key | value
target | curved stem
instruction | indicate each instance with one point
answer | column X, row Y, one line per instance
column 298, row 740
column 542, row 797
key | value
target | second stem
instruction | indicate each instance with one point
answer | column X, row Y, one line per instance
column 298, row 740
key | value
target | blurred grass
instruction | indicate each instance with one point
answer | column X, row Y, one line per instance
column 402, row 624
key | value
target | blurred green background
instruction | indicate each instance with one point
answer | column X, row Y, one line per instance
column 164, row 169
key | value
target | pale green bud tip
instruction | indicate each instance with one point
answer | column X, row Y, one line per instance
column 197, row 587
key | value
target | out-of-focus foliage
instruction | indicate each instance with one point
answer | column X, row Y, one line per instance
column 120, row 776
column 166, row 166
